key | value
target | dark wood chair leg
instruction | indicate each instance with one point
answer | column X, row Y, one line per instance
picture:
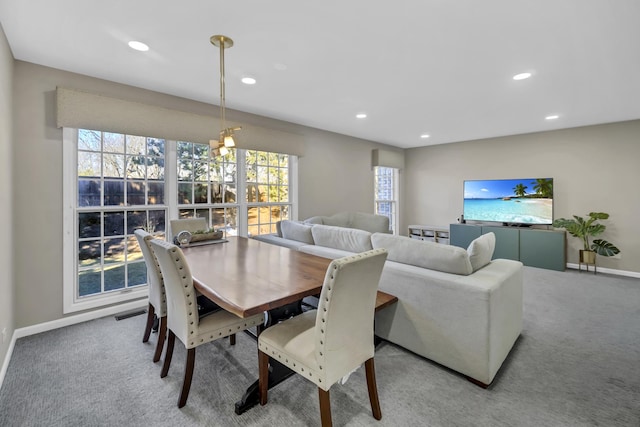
column 232, row 339
column 263, row 376
column 325, row 408
column 171, row 340
column 188, row 375
column 373, row 388
column 150, row 316
column 162, row 333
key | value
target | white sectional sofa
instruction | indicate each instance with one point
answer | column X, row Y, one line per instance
column 293, row 234
column 456, row 307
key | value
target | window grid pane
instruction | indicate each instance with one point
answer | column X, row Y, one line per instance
column 267, row 190
column 120, row 187
column 384, row 193
column 113, row 173
column 207, row 186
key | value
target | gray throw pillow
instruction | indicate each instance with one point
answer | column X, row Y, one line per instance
column 481, row 250
column 346, row 239
column 429, row 255
column 294, row 230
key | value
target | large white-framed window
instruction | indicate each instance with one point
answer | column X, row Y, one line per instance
column 268, row 197
column 244, row 193
column 386, row 194
column 115, row 183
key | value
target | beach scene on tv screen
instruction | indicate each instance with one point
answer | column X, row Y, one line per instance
column 519, row 201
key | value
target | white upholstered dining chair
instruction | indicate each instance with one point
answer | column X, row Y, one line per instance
column 157, row 302
column 326, row 344
column 182, row 313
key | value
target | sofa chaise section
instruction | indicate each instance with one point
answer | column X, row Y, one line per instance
column 455, row 307
column 466, row 323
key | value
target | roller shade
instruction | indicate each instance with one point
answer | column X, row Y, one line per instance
column 79, row 109
column 386, row 158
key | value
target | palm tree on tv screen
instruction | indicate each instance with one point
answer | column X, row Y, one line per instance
column 520, row 190
column 543, row 187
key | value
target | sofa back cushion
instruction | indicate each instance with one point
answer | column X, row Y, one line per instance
column 295, row 230
column 314, row 220
column 369, row 222
column 346, row 239
column 363, row 221
column 481, row 250
column 430, row 255
column 341, row 219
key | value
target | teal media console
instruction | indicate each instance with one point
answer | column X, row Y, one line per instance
column 532, row 246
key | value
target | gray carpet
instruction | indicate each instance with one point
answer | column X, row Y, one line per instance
column 577, row 363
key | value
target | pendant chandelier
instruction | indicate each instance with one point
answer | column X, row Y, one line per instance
column 221, row 145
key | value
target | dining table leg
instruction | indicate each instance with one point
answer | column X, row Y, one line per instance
column 277, row 371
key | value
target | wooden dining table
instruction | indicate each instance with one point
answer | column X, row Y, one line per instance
column 246, row 277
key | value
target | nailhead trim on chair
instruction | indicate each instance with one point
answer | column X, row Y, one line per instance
column 308, row 370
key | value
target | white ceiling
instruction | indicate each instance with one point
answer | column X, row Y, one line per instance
column 442, row 67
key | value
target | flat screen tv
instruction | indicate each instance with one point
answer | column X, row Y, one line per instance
column 524, row 201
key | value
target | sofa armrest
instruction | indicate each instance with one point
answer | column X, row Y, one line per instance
column 467, row 323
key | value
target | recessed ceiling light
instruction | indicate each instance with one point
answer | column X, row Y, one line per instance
column 248, row 80
column 424, row 136
column 521, row 76
column 552, row 117
column 138, row 46
column 361, row 115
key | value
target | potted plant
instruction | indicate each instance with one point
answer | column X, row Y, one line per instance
column 586, row 228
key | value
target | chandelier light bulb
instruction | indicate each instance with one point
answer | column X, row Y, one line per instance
column 229, row 142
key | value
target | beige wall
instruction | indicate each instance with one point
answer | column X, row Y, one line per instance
column 595, row 168
column 6, row 250
column 335, row 174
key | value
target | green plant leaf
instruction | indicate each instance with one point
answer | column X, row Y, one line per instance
column 596, row 229
column 586, row 228
column 604, row 248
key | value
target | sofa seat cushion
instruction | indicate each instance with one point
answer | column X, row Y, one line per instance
column 298, row 231
column 324, row 252
column 481, row 250
column 280, row 241
column 430, row 255
column 346, row 239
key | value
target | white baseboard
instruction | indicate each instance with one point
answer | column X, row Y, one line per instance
column 7, row 358
column 634, row 274
column 66, row 321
